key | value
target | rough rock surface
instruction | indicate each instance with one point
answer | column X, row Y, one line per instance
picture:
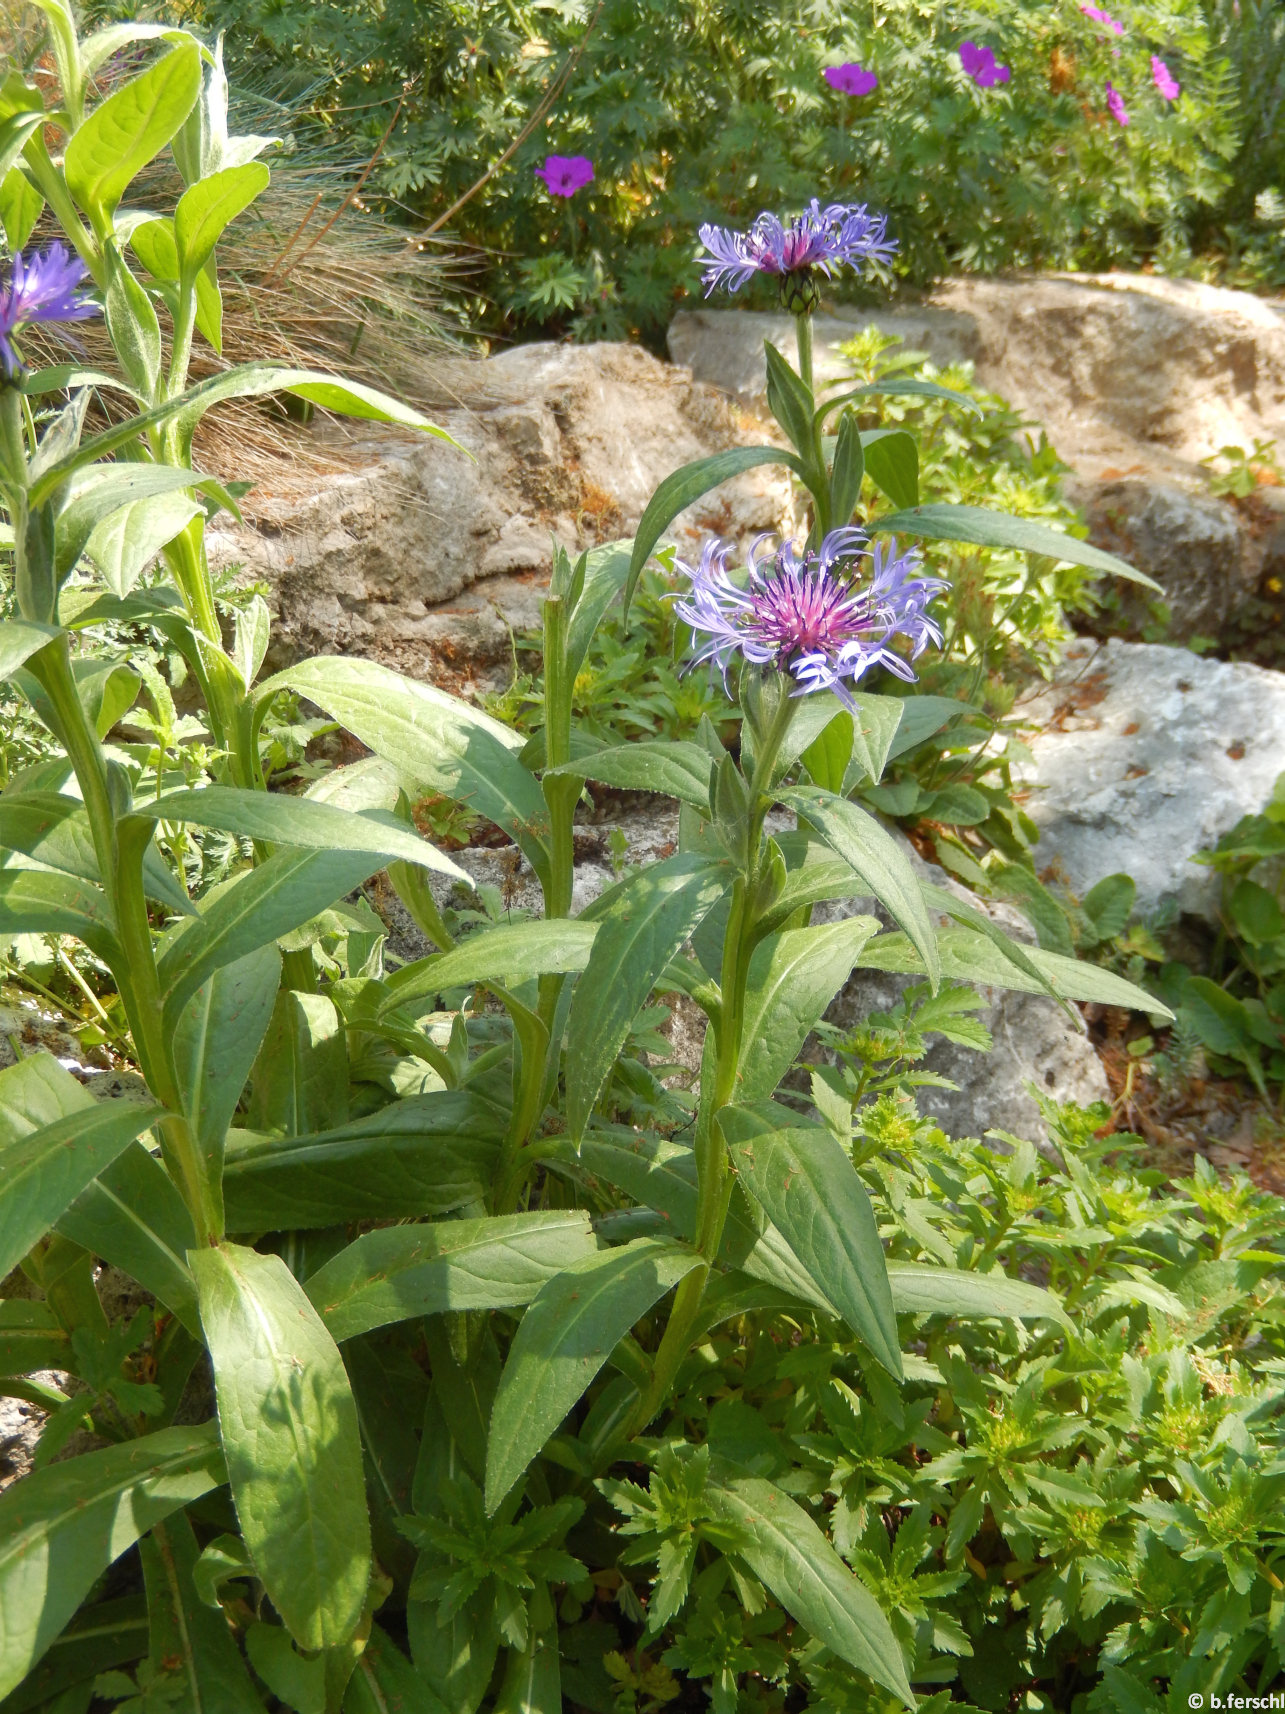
column 1147, row 755
column 1134, row 379
column 424, row 556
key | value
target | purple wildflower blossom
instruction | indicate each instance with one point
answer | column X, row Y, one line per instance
column 564, row 175
column 39, row 289
column 817, row 616
column 979, row 63
column 1115, row 105
column 1163, row 79
column 851, row 78
column 840, row 235
column 1100, row 17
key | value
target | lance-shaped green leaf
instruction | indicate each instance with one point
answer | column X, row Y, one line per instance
column 678, row 491
column 921, row 717
column 790, row 401
column 192, row 1641
column 793, row 977
column 126, row 541
column 247, row 381
column 967, row 956
column 21, row 206
column 676, row 769
column 133, row 1217
column 805, row 1182
column 61, row 1527
column 33, row 901
column 288, row 1425
column 875, row 856
column 210, row 205
column 19, row 640
column 252, row 911
column 93, row 496
column 54, row 830
column 406, row 1271
column 783, row 1547
column 130, row 129
column 987, row 529
column 606, row 569
column 435, row 741
column 892, row 464
column 510, row 952
column 895, row 385
column 423, row 1155
column 216, row 1038
column 918, row 1288
column 641, row 927
column 31, row 1338
column 46, row 1164
column 385, row 1682
column 302, row 822
column 571, row 1328
column 847, row 472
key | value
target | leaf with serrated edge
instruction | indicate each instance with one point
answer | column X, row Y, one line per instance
column 289, row 1429
column 406, row 1271
column 571, row 1328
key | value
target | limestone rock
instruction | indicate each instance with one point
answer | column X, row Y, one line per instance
column 1192, row 545
column 1147, row 754
column 426, row 556
column 1134, row 379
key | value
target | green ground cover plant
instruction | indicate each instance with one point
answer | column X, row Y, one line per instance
column 713, row 109
column 434, row 1318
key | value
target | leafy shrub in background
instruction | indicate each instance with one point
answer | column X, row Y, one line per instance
column 701, row 111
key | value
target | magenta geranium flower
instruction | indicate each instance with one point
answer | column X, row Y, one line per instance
column 821, row 617
column 1163, row 79
column 1115, row 105
column 564, row 175
column 1100, row 17
column 980, row 65
column 39, row 289
column 850, row 78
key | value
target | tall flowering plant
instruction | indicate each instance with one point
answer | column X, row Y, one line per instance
column 368, row 1201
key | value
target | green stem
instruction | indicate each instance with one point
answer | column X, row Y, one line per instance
column 803, row 330
column 119, row 846
column 713, row 1176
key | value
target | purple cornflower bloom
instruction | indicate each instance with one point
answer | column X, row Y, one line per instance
column 564, row 175
column 1115, row 105
column 820, row 617
column 979, row 63
column 39, row 289
column 1100, row 17
column 839, row 235
column 850, row 78
column 1163, row 79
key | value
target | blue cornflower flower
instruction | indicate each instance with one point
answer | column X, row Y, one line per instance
column 840, row 235
column 817, row 616
column 39, row 289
